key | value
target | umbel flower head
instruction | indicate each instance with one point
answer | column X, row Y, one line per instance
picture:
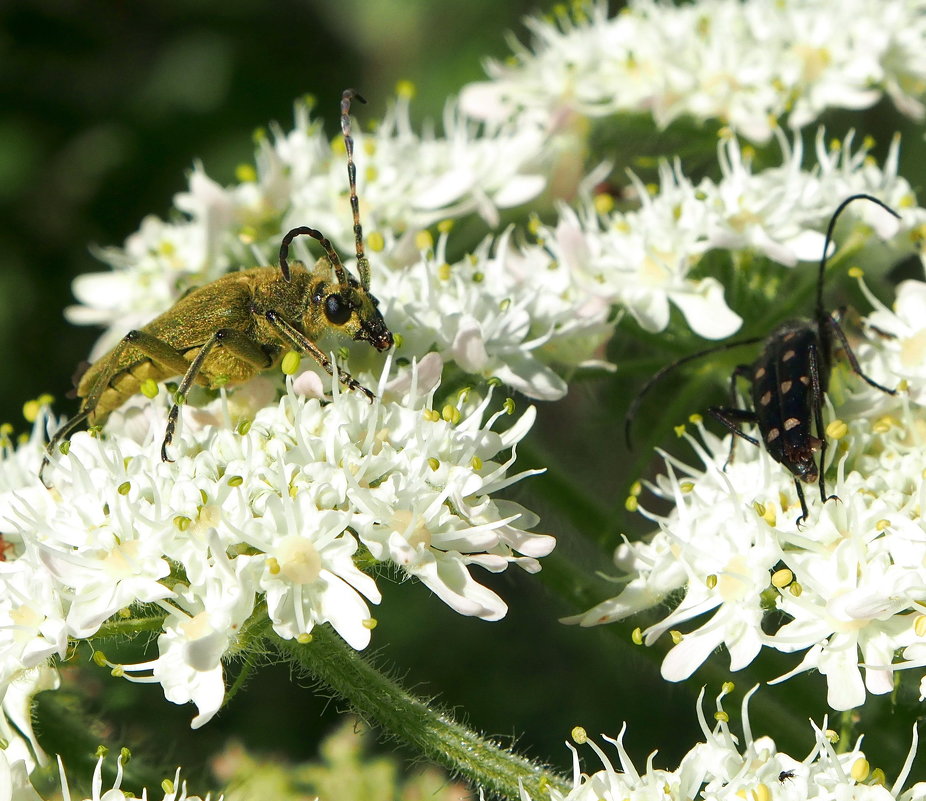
column 725, row 766
column 846, row 586
column 278, row 508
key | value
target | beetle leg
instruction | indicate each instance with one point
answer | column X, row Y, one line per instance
column 300, row 342
column 832, row 323
column 800, row 497
column 150, row 346
column 236, row 343
column 731, row 418
column 816, row 402
column 60, row 436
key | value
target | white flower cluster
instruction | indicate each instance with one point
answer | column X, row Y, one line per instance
column 745, row 64
column 277, row 509
column 847, row 585
column 641, row 260
column 724, row 768
column 405, row 183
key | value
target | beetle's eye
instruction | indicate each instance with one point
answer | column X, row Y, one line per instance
column 337, row 310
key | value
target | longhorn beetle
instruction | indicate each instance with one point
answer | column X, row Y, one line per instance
column 788, row 384
column 226, row 331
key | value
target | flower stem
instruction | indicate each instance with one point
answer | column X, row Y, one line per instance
column 383, row 702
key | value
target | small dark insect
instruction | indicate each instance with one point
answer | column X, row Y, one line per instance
column 225, row 332
column 788, row 384
column 785, row 775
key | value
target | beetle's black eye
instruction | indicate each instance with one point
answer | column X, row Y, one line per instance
column 337, row 310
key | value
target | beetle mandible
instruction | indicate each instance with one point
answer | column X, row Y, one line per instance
column 225, row 332
column 788, row 383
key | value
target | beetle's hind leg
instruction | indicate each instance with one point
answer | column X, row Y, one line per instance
column 151, row 349
column 62, row 434
column 236, row 343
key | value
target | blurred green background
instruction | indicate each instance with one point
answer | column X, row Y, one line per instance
column 106, row 106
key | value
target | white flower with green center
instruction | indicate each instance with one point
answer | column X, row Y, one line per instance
column 849, row 582
column 505, row 311
column 643, row 259
column 279, row 507
column 745, row 64
column 727, row 767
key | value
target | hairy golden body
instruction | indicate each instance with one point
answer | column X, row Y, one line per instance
column 227, row 331
column 236, row 301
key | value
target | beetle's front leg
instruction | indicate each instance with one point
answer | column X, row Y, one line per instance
column 301, row 343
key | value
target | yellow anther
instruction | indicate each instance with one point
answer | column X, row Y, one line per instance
column 424, row 240
column 245, row 173
column 711, row 581
column 636, row 636
column 369, row 623
column 406, row 89
column 632, row 504
column 376, row 242
column 579, row 735
column 149, row 388
column 290, row 363
column 782, row 578
column 604, row 203
column 860, row 769
column 761, row 792
column 836, row 429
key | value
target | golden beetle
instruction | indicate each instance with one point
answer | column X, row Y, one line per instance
column 227, row 331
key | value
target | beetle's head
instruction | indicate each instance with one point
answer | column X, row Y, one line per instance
column 802, row 461
column 351, row 310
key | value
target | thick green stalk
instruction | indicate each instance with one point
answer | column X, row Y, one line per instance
column 382, row 702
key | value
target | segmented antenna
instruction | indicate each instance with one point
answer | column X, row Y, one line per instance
column 306, row 231
column 363, row 266
column 829, row 238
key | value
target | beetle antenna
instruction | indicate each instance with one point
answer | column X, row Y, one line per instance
column 829, row 238
column 670, row 368
column 329, row 250
column 363, row 266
